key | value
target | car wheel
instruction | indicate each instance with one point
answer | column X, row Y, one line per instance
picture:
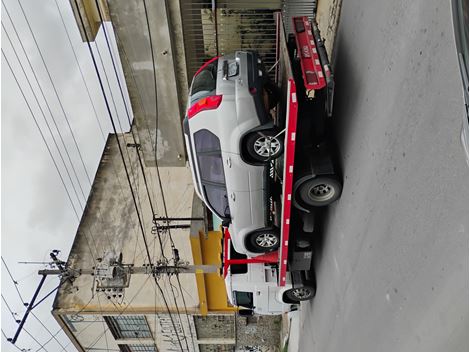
column 299, row 294
column 265, row 145
column 319, row 191
column 265, row 240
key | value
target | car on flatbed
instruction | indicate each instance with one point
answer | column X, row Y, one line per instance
column 231, row 138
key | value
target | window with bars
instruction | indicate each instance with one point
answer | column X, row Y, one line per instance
column 138, row 348
column 128, row 327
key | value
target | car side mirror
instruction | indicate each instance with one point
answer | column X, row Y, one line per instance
column 245, row 312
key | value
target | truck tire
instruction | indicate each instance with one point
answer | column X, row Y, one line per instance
column 299, row 294
column 319, row 191
column 264, row 145
column 263, row 240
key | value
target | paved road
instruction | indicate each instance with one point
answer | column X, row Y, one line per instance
column 392, row 266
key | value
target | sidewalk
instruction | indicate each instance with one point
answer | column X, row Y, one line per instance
column 290, row 332
column 328, row 13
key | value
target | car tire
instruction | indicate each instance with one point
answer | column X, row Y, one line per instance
column 299, row 294
column 264, row 240
column 265, row 145
column 319, row 191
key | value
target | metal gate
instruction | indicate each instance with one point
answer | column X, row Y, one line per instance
column 217, row 27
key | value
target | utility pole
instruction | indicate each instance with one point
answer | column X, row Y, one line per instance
column 30, row 306
column 111, row 275
column 157, row 270
column 164, row 223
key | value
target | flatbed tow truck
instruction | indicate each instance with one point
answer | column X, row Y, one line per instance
column 305, row 178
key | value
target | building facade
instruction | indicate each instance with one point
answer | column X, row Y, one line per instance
column 113, row 301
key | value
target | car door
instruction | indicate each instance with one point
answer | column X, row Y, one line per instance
column 238, row 184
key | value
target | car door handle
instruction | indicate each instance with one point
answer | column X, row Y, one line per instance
column 229, row 162
column 232, row 195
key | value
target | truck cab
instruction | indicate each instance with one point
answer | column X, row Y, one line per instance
column 253, row 287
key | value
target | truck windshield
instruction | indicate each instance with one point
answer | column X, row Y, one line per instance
column 244, row 299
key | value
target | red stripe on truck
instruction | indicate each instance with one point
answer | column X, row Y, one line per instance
column 289, row 151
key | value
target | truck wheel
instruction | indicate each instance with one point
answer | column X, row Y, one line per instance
column 264, row 145
column 264, row 240
column 299, row 294
column 319, row 191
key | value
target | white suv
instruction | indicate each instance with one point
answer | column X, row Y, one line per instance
column 230, row 138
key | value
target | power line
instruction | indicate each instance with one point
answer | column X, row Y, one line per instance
column 65, row 115
column 80, row 69
column 136, row 179
column 55, row 91
column 44, row 115
column 42, row 135
column 178, row 312
column 18, row 348
column 104, row 326
column 45, row 327
column 53, row 337
column 128, row 117
column 156, row 157
column 13, row 341
column 39, row 343
column 185, row 308
column 156, row 118
column 15, row 283
column 39, row 105
column 22, row 300
column 13, row 314
column 90, row 99
column 125, row 167
column 120, row 313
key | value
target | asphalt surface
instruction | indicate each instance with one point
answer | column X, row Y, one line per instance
column 392, row 263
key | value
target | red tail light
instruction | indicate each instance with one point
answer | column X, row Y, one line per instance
column 208, row 103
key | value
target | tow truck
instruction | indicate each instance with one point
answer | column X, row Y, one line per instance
column 306, row 178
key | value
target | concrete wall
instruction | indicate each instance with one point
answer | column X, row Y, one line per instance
column 130, row 26
column 157, row 112
column 261, row 331
column 215, row 326
column 110, row 227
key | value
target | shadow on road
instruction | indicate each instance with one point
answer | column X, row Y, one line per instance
column 347, row 92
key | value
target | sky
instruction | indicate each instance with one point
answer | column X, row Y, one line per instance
column 36, row 213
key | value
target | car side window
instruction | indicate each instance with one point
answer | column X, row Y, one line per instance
column 212, row 171
column 217, row 198
column 206, row 141
column 212, row 168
